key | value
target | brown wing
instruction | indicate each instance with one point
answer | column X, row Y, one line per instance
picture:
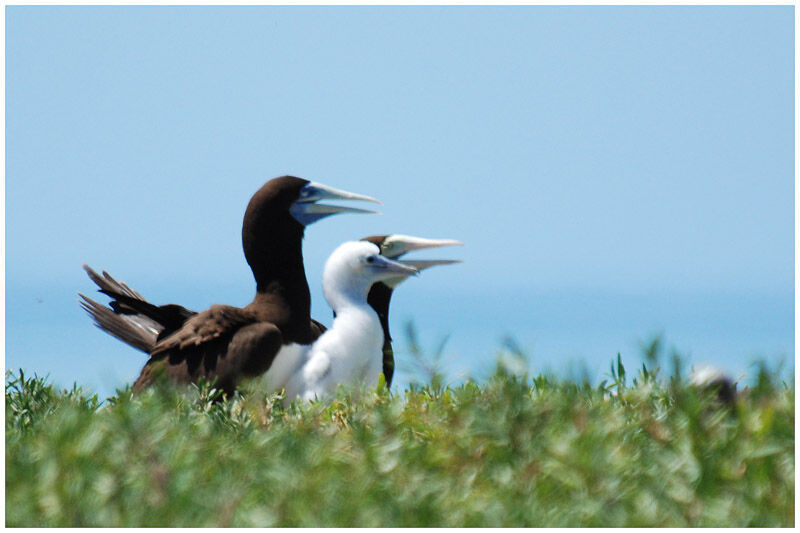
column 129, row 317
column 223, row 342
column 139, row 332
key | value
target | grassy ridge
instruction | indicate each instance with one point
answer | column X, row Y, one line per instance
column 513, row 451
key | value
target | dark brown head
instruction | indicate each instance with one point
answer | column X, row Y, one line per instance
column 275, row 220
column 377, row 240
column 271, row 236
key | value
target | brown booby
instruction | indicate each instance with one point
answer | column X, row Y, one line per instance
column 380, row 295
column 349, row 353
column 225, row 342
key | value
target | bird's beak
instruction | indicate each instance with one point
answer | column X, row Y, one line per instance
column 422, row 264
column 392, row 268
column 306, row 211
column 395, row 246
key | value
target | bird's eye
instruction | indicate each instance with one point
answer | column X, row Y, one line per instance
column 371, row 259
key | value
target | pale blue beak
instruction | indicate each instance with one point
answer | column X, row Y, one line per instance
column 392, row 268
column 306, row 211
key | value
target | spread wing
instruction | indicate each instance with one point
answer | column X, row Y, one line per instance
column 130, row 317
column 222, row 342
column 139, row 332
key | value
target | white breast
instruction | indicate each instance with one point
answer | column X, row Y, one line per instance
column 287, row 362
column 350, row 353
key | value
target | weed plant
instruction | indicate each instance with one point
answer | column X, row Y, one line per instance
column 514, row 450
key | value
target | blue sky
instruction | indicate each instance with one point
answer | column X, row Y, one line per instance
column 633, row 166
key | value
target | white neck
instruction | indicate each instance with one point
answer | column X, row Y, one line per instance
column 343, row 292
column 356, row 328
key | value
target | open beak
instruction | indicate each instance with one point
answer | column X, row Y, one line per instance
column 422, row 264
column 306, row 211
column 389, row 268
column 395, row 246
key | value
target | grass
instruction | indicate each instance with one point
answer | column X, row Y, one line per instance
column 513, row 451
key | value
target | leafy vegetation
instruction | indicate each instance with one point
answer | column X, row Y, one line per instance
column 512, row 451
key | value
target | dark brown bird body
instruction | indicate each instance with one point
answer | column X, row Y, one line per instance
column 379, row 298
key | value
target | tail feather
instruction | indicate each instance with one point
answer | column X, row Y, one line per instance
column 130, row 317
column 136, row 330
column 110, row 286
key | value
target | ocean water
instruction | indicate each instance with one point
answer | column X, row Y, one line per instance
column 578, row 333
column 573, row 333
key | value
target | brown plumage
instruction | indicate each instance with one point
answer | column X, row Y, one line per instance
column 131, row 318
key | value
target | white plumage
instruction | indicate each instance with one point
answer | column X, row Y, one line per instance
column 350, row 352
column 289, row 358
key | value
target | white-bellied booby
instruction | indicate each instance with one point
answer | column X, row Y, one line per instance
column 226, row 342
column 349, row 352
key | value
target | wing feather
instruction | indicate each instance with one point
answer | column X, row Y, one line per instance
column 222, row 342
